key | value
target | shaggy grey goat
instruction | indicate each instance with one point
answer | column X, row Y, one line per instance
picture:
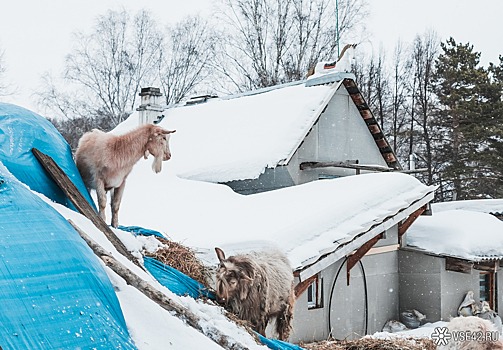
column 257, row 287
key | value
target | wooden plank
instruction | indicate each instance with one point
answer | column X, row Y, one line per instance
column 366, row 114
column 360, row 253
column 374, row 129
column 302, row 286
column 458, row 265
column 389, row 157
column 314, row 165
column 404, row 226
column 382, row 143
column 78, row 200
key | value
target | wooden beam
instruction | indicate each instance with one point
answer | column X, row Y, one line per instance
column 404, row 226
column 78, row 200
column 302, row 286
column 314, row 165
column 360, row 253
column 458, row 265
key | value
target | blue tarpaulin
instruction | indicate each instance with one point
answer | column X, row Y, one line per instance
column 54, row 293
column 20, row 131
column 137, row 230
column 275, row 344
column 176, row 281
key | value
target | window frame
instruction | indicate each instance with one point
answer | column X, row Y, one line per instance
column 315, row 294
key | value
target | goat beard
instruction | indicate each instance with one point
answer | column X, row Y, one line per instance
column 157, row 164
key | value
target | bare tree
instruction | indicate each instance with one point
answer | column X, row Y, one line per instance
column 106, row 69
column 186, row 58
column 276, row 41
column 424, row 52
column 3, row 69
column 5, row 88
column 115, row 60
column 399, row 97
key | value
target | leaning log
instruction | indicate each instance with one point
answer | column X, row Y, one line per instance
column 158, row 297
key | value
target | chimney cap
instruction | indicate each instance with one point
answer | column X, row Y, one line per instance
column 152, row 91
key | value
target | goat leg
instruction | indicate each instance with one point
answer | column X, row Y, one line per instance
column 116, row 202
column 101, row 193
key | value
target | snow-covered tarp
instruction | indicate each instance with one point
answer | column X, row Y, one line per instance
column 466, row 234
column 20, row 131
column 54, row 292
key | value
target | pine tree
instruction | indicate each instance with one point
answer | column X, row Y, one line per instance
column 465, row 118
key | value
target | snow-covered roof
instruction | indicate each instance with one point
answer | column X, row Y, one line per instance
column 465, row 234
column 307, row 221
column 489, row 206
column 237, row 138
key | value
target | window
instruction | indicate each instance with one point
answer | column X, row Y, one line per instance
column 487, row 288
column 315, row 294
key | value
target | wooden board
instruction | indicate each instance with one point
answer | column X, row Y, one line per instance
column 78, row 200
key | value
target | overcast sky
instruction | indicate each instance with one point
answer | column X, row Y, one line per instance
column 36, row 35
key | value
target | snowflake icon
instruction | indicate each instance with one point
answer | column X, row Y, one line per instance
column 441, row 336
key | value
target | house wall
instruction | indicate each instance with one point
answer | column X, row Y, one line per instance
column 271, row 179
column 340, row 135
column 420, row 284
column 346, row 308
column 425, row 285
column 454, row 286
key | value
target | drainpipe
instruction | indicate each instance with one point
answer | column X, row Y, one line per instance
column 150, row 108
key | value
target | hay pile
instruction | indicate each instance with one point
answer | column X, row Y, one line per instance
column 374, row 344
column 181, row 258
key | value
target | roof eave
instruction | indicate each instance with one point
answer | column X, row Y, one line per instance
column 359, row 239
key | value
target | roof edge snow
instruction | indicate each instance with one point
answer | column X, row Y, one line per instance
column 340, row 251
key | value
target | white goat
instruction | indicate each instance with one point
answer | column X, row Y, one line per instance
column 257, row 287
column 105, row 160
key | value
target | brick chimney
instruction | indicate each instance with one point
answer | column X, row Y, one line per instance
column 150, row 108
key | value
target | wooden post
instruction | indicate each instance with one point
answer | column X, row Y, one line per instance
column 302, row 286
column 359, row 253
column 78, row 200
column 404, row 226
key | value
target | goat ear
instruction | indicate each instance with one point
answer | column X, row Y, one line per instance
column 220, row 254
column 168, row 131
column 146, row 154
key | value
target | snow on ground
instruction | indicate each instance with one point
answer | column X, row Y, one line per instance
column 425, row 331
column 465, row 234
column 151, row 327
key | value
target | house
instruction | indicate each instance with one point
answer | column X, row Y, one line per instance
column 457, row 249
column 341, row 234
column 276, row 137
